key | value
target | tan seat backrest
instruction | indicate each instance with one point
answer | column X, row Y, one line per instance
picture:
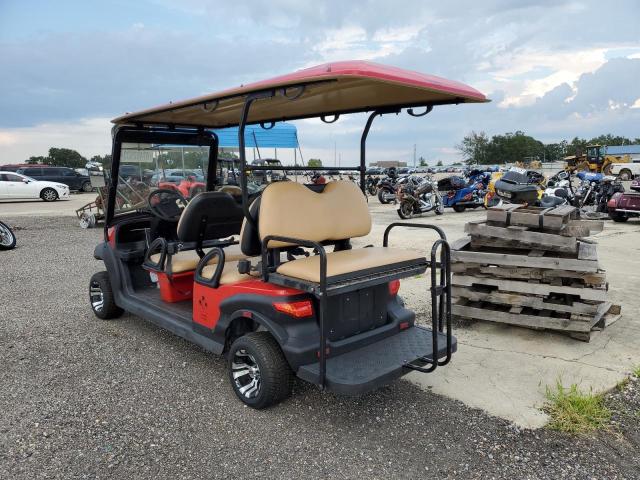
column 290, row 209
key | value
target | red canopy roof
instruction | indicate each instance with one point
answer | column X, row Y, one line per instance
column 332, row 88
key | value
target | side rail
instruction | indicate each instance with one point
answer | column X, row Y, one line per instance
column 214, row 281
column 440, row 295
column 322, row 295
column 159, row 245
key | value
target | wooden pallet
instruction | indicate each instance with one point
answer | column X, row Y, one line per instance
column 503, row 257
column 577, row 326
column 555, row 218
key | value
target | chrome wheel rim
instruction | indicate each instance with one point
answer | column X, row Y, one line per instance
column 6, row 236
column 50, row 195
column 246, row 374
column 96, row 297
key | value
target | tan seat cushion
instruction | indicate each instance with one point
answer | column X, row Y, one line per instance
column 346, row 261
column 188, row 259
column 229, row 275
column 290, row 209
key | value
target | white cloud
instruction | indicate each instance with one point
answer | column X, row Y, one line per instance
column 91, row 136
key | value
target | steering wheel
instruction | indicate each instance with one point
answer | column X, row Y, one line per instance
column 167, row 204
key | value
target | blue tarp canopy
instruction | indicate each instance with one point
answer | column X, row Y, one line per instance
column 282, row 135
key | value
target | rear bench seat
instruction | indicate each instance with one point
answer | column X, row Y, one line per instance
column 338, row 213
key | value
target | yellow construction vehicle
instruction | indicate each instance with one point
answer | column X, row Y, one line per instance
column 595, row 160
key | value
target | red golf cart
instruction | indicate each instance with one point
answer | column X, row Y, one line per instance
column 266, row 274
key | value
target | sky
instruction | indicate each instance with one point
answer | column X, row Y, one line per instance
column 554, row 69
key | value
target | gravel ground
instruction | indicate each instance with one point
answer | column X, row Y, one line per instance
column 84, row 398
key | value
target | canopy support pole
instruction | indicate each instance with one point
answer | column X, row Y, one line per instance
column 243, row 154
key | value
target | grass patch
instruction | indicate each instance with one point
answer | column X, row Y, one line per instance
column 636, row 371
column 573, row 411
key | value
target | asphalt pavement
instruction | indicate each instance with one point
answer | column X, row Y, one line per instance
column 85, row 398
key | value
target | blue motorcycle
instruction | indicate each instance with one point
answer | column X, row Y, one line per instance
column 460, row 194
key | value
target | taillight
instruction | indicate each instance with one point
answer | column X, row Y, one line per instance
column 394, row 286
column 111, row 236
column 295, row 309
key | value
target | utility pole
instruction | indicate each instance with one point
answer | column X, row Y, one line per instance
column 414, row 155
column 335, row 153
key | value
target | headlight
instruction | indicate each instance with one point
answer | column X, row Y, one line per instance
column 63, row 187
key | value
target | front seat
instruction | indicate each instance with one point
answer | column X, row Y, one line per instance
column 209, row 216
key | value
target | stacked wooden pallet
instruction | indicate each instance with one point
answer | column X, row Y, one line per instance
column 534, row 268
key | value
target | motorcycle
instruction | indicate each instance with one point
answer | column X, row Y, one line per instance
column 7, row 237
column 596, row 190
column 461, row 194
column 558, row 191
column 520, row 186
column 371, row 185
column 419, row 195
column 387, row 189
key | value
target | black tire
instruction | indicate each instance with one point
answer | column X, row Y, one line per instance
column 7, row 237
column 86, row 187
column 459, row 208
column 381, row 198
column 49, row 195
column 405, row 211
column 274, row 376
column 100, row 291
column 625, row 174
column 618, row 217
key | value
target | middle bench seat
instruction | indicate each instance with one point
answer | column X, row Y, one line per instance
column 187, row 260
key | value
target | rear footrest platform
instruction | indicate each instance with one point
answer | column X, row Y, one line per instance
column 374, row 365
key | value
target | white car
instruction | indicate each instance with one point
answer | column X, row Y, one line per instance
column 17, row 186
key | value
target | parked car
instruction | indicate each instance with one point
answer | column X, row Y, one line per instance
column 18, row 186
column 65, row 175
column 13, row 167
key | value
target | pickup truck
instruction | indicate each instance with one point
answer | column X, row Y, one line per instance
column 626, row 171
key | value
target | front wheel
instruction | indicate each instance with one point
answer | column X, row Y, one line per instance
column 459, row 208
column 7, row 237
column 260, row 375
column 372, row 190
column 439, row 208
column 49, row 195
column 101, row 297
column 86, row 187
column 405, row 211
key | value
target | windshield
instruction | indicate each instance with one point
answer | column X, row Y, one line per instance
column 147, row 167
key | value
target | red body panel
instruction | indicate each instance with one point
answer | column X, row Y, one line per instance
column 207, row 300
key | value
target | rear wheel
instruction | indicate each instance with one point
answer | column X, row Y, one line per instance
column 618, row 217
column 101, row 297
column 49, row 195
column 382, row 196
column 86, row 187
column 7, row 238
column 459, row 208
column 259, row 374
column 625, row 174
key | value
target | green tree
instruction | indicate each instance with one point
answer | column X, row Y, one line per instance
column 474, row 148
column 423, row 162
column 65, row 157
column 314, row 162
column 439, row 164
